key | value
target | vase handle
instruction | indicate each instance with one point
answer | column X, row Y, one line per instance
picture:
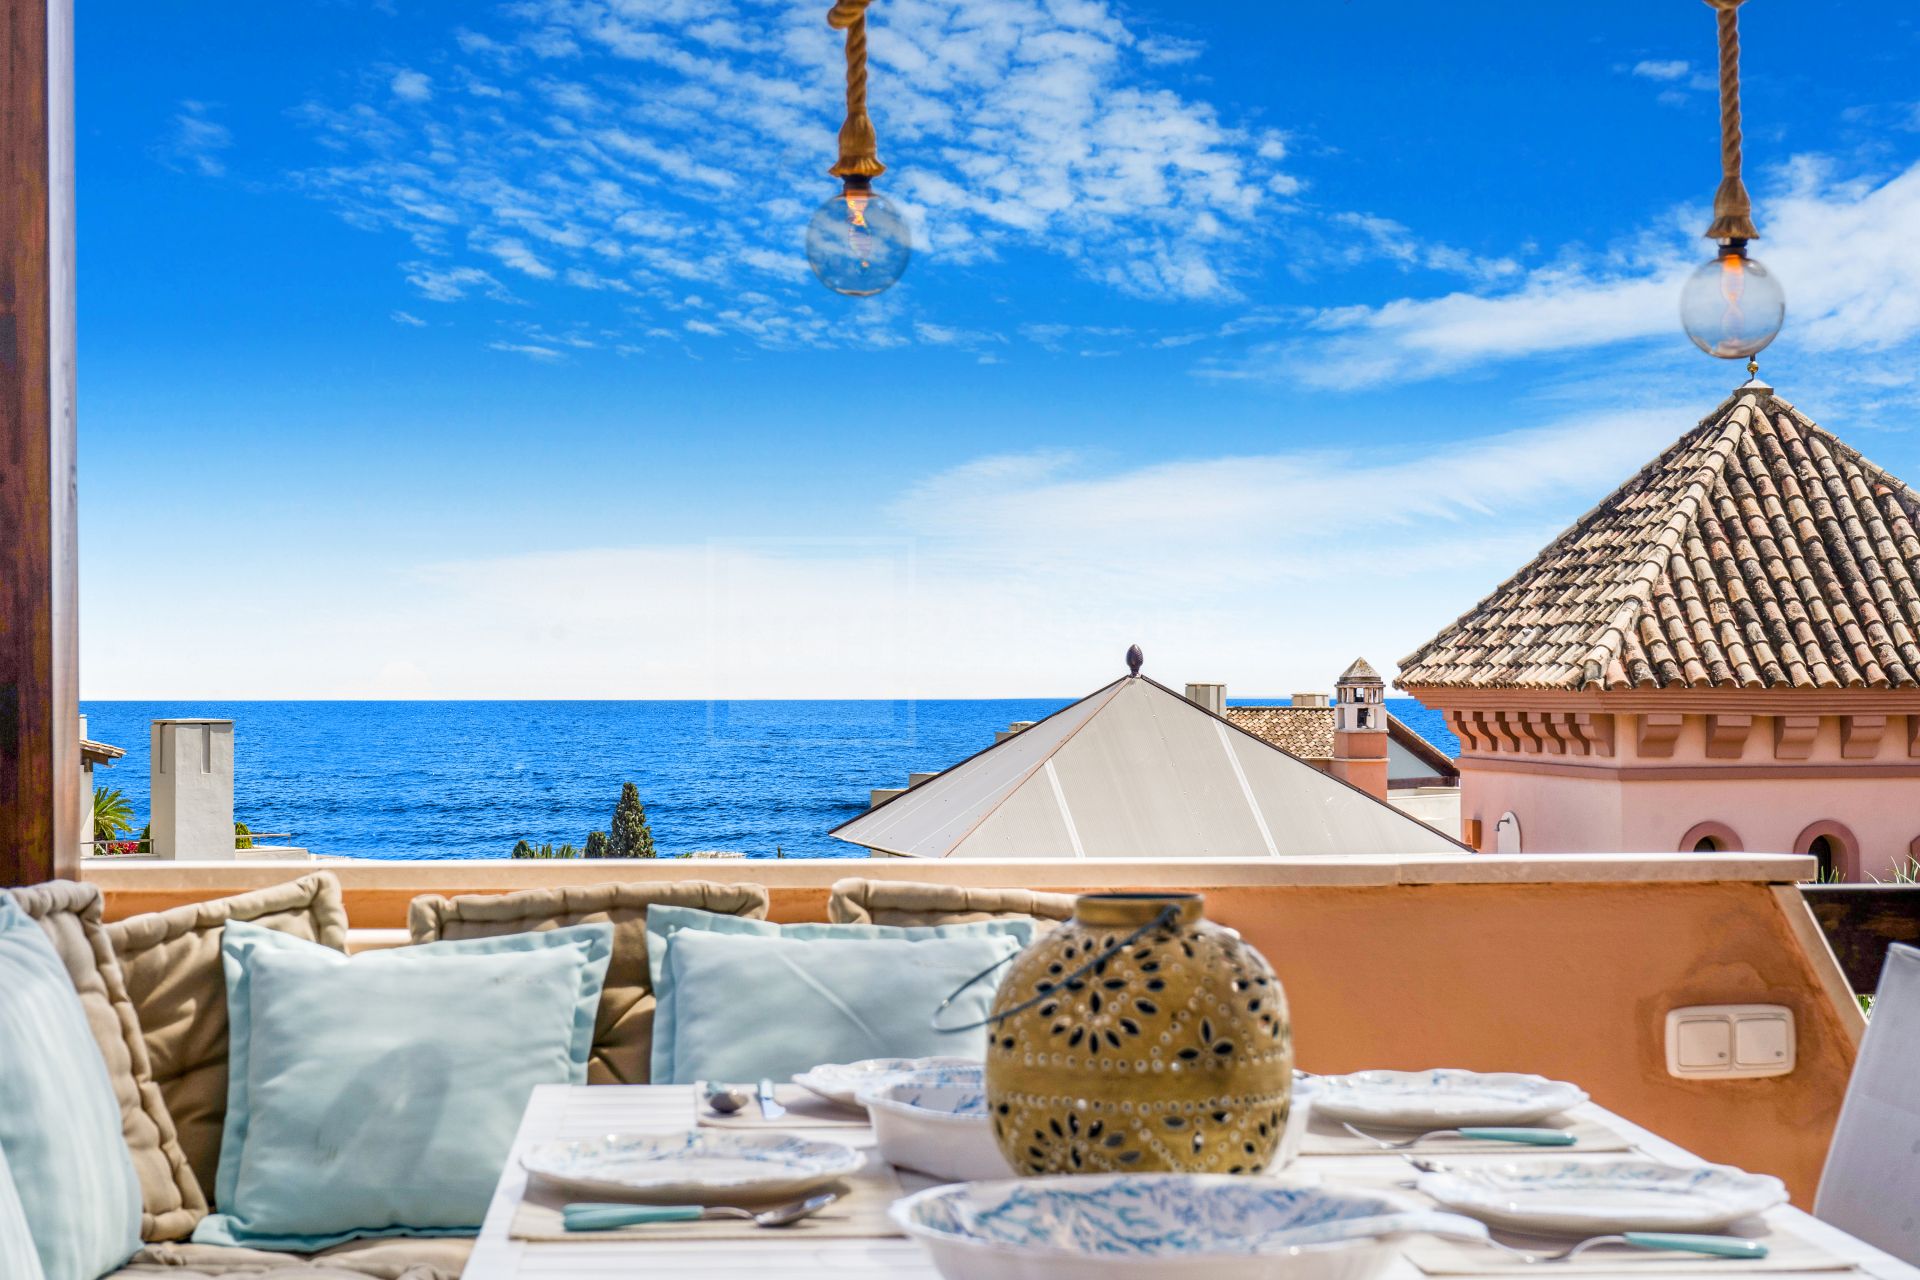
column 1166, row 918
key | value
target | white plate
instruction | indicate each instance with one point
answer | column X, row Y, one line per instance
column 842, row 1082
column 1441, row 1099
column 1576, row 1198
column 698, row 1166
column 1158, row 1226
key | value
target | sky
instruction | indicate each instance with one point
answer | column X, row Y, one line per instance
column 469, row 350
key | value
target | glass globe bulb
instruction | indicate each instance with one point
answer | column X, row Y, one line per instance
column 858, row 243
column 1732, row 307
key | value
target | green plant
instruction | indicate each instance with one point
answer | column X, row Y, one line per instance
column 598, row 845
column 242, row 837
column 112, row 813
column 526, row 850
column 630, row 837
column 1905, row 871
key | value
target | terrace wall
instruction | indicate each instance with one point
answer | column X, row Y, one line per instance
column 1561, row 965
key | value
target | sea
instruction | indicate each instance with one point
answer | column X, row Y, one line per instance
column 470, row 779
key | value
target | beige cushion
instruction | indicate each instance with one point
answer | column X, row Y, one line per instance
column 623, row 1033
column 441, row 1259
column 171, row 960
column 906, row 902
column 171, row 1199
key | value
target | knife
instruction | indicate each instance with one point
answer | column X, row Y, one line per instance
column 769, row 1109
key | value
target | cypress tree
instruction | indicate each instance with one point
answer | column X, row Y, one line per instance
column 630, row 836
column 597, row 845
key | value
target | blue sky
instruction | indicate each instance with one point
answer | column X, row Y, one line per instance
column 468, row 350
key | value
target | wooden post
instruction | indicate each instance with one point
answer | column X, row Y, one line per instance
column 39, row 604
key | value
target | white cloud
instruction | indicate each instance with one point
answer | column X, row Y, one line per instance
column 1843, row 250
column 1662, row 69
column 411, row 86
column 1016, row 574
column 450, row 284
column 409, row 319
column 194, row 141
column 607, row 131
column 532, row 351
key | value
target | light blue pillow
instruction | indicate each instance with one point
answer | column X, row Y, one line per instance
column 18, row 1261
column 379, row 1095
column 772, row 1000
column 59, row 1121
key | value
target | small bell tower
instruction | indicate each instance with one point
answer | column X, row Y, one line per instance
column 1360, row 728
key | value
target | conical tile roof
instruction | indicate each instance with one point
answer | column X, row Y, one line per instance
column 1757, row 552
column 1134, row 770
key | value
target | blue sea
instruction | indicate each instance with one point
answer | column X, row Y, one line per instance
column 468, row 779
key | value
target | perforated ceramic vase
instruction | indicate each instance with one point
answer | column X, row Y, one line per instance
column 1142, row 1038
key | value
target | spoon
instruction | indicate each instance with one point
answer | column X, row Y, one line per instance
column 1526, row 1137
column 1715, row 1246
column 609, row 1217
column 726, row 1099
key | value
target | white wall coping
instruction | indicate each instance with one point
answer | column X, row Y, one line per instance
column 469, row 875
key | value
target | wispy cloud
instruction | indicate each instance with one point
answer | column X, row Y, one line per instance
column 411, row 86
column 409, row 319
column 1841, row 248
column 194, row 141
column 1050, row 555
column 533, row 351
column 1666, row 70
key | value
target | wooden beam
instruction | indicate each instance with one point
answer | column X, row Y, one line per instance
column 1860, row 920
column 40, row 816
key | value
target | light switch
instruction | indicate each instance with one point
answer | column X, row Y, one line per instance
column 1704, row 1044
column 1730, row 1041
column 1762, row 1042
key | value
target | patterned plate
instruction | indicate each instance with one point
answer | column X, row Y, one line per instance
column 1163, row 1226
column 699, row 1166
column 1442, row 1098
column 1577, row 1198
column 843, row 1082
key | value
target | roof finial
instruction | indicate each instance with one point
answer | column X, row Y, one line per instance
column 1136, row 657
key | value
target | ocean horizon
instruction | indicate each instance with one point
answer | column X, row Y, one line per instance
column 468, row 779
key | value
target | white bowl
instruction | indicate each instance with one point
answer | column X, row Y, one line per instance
column 1580, row 1198
column 1166, row 1226
column 842, row 1082
column 1299, row 1115
column 935, row 1121
column 698, row 1166
column 1442, row 1098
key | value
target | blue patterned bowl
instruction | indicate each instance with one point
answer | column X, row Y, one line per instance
column 1165, row 1226
column 935, row 1121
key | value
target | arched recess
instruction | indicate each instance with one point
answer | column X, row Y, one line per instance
column 1835, row 846
column 1717, row 837
column 1506, row 833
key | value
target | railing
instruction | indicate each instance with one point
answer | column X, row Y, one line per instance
column 1860, row 920
column 133, row 848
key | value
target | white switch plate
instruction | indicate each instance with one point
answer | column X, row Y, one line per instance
column 1730, row 1041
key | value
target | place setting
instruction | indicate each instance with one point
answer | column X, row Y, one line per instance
column 1444, row 1111
column 702, row 1184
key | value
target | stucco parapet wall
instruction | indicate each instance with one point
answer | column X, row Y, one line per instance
column 195, row 879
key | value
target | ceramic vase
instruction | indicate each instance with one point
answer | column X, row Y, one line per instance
column 1141, row 1038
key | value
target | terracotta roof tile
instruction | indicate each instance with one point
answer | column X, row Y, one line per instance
column 1758, row 551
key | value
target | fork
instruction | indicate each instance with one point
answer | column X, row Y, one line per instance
column 1481, row 1133
column 1716, row 1246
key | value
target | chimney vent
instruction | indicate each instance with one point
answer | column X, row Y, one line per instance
column 1312, row 700
column 1211, row 696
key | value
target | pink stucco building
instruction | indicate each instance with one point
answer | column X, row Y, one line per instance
column 1723, row 654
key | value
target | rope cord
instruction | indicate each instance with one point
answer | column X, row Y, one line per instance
column 859, row 148
column 1732, row 209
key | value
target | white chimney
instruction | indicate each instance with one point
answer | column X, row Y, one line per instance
column 1211, row 696
column 1312, row 700
column 192, row 773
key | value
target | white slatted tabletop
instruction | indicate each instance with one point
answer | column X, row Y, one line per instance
column 564, row 1112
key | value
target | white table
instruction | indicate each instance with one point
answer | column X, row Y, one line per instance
column 562, row 1112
